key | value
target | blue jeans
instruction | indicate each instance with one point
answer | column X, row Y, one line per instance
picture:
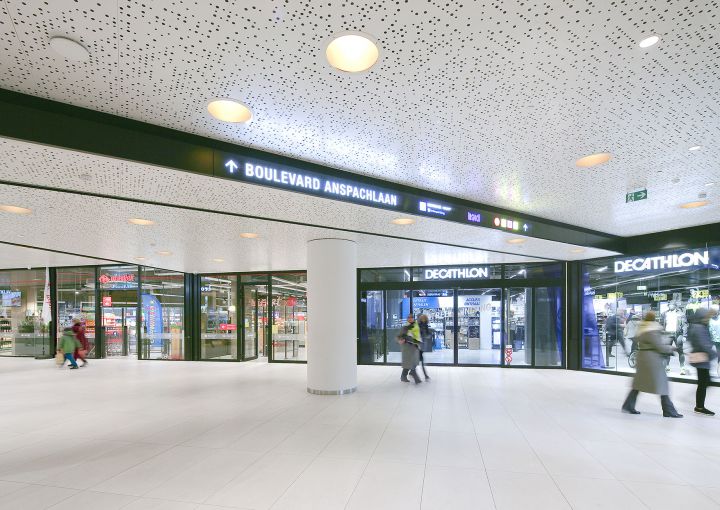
column 71, row 359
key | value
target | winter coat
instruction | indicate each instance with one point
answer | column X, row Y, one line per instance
column 650, row 376
column 79, row 331
column 699, row 338
column 68, row 343
column 631, row 328
column 426, row 334
column 409, row 348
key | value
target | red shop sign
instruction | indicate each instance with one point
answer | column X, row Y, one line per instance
column 104, row 278
column 107, row 301
column 228, row 327
column 291, row 301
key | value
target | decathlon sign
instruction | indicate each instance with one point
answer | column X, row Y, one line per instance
column 456, row 273
column 690, row 259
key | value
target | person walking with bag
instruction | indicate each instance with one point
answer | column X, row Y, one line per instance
column 68, row 344
column 701, row 355
column 79, row 330
column 650, row 376
column 409, row 339
column 426, row 335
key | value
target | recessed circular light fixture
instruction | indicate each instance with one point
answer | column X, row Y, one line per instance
column 230, row 110
column 649, row 41
column 695, row 148
column 164, row 253
column 218, row 260
column 403, row 221
column 140, row 221
column 693, row 205
column 352, row 53
column 249, row 235
column 70, row 49
column 516, row 240
column 15, row 209
column 593, row 159
column 140, row 258
column 577, row 250
column 710, row 184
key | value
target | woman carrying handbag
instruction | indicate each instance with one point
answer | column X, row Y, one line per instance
column 703, row 353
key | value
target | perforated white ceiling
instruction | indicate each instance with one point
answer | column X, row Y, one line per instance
column 16, row 257
column 487, row 100
column 68, row 170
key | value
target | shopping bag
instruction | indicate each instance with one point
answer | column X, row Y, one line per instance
column 698, row 357
column 59, row 359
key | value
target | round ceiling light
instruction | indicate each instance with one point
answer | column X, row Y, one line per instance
column 218, row 260
column 577, row 250
column 593, row 160
column 695, row 148
column 140, row 221
column 352, row 53
column 249, row 235
column 693, row 205
column 403, row 221
column 516, row 240
column 164, row 253
column 71, row 50
column 230, row 110
column 15, row 209
column 649, row 41
column 140, row 258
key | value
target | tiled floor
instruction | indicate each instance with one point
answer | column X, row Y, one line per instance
column 145, row 435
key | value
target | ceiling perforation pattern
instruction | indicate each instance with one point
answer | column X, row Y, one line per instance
column 487, row 100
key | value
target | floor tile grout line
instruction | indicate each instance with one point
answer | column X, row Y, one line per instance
column 477, row 441
column 367, row 463
column 427, row 446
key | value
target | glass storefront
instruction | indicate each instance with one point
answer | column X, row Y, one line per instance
column 23, row 329
column 76, row 301
column 289, row 323
column 163, row 314
column 477, row 314
column 618, row 292
column 218, row 317
column 118, row 311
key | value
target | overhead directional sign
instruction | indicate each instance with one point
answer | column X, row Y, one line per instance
column 636, row 195
column 232, row 166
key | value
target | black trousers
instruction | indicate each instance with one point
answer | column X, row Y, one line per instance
column 703, row 383
column 422, row 364
column 411, row 372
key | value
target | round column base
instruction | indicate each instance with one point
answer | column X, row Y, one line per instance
column 332, row 392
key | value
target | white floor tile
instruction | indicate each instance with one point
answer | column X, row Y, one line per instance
column 513, row 491
column 455, row 488
column 597, row 494
column 34, row 497
column 454, row 450
column 386, row 484
column 660, row 496
column 88, row 500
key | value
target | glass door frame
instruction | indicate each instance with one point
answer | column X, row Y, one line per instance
column 241, row 337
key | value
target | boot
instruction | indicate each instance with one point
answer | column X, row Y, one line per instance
column 415, row 377
column 668, row 408
column 629, row 405
column 404, row 374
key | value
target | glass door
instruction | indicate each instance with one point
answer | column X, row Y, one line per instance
column 439, row 307
column 218, row 317
column 255, row 321
column 371, row 348
column 118, row 310
column 519, row 348
column 479, row 326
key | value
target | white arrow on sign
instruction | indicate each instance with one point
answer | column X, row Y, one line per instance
column 525, row 227
column 232, row 166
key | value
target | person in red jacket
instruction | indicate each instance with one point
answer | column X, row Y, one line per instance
column 79, row 330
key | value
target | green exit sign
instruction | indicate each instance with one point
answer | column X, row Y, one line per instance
column 636, row 195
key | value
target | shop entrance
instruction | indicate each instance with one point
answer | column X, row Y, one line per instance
column 118, row 332
column 255, row 321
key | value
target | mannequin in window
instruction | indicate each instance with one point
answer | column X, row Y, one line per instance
column 614, row 333
column 673, row 321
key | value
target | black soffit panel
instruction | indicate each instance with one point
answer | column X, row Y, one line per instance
column 37, row 120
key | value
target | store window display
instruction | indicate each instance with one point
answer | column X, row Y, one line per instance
column 218, row 317
column 162, row 308
column 23, row 326
column 618, row 293
column 76, row 300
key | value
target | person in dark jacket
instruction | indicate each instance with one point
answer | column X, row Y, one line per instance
column 426, row 336
column 702, row 354
column 409, row 339
column 650, row 376
column 79, row 330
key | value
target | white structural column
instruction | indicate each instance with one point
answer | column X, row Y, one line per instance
column 332, row 316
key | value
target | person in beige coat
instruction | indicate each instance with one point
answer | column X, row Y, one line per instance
column 650, row 376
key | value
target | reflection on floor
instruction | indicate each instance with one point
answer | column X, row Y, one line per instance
column 140, row 435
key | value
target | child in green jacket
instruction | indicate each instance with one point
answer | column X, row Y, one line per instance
column 68, row 344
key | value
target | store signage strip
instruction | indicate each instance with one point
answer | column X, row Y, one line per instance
column 456, row 273
column 659, row 262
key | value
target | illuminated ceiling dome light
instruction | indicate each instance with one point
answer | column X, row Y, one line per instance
column 695, row 148
column 164, row 253
column 403, row 221
column 140, row 258
column 516, row 240
column 649, row 41
column 71, row 50
column 140, row 221
column 577, row 250
column 249, row 235
column 230, row 110
column 15, row 209
column 352, row 53
column 593, row 160
column 693, row 205
column 218, row 260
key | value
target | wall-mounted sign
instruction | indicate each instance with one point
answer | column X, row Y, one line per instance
column 107, row 301
column 659, row 297
column 474, row 217
column 510, row 224
column 698, row 294
column 636, row 195
column 614, row 295
column 206, row 288
column 434, row 208
column 456, row 273
column 694, row 259
column 228, row 327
